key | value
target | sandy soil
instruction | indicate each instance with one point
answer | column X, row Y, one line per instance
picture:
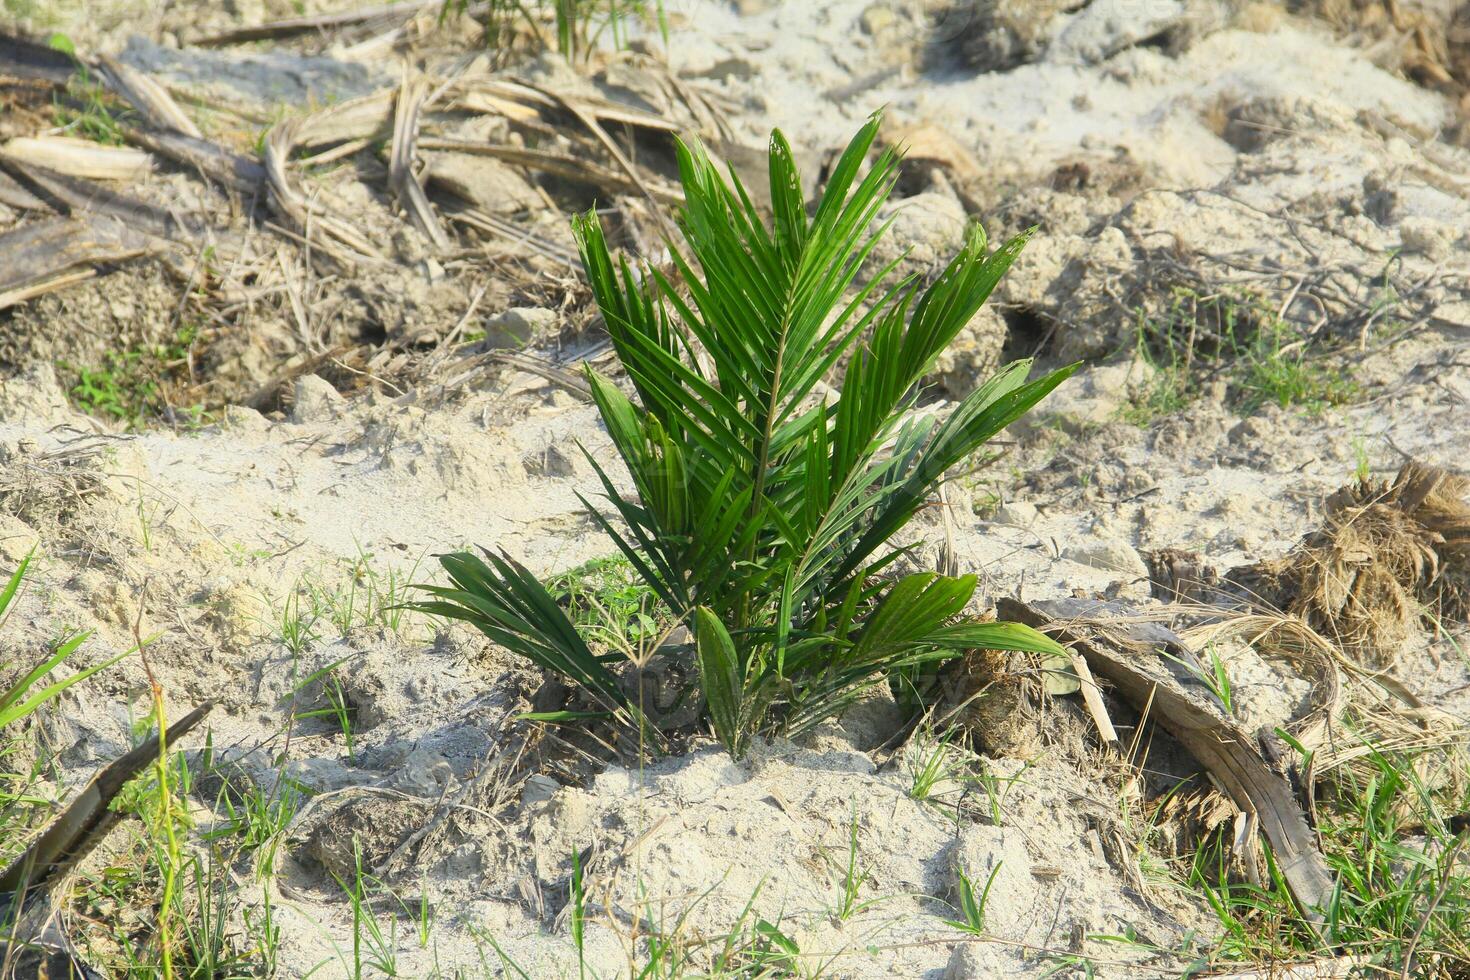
column 1160, row 145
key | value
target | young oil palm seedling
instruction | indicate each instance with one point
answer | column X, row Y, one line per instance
column 767, row 502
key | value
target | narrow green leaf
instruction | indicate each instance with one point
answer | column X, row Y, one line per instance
column 11, row 711
column 721, row 677
column 13, row 585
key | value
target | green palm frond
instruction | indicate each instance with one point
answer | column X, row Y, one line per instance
column 510, row 606
column 764, row 514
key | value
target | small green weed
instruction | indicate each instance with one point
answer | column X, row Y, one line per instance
column 1277, row 370
column 1171, row 386
column 1213, row 674
column 423, row 918
column 996, row 788
column 147, row 513
column 1362, row 463
column 365, row 596
column 138, row 385
column 255, row 818
column 609, row 604
column 161, row 909
column 87, row 110
column 941, row 771
column 336, row 707
column 264, row 935
column 373, row 947
column 580, row 24
column 242, row 555
column 852, row 877
column 22, row 698
column 341, row 597
column 972, row 906
column 296, row 623
column 753, row 948
column 757, row 947
column 579, row 915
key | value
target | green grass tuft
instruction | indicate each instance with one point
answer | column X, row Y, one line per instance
column 579, row 26
column 1261, row 359
column 1402, row 902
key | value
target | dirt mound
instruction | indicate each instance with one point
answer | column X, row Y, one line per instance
column 1000, row 35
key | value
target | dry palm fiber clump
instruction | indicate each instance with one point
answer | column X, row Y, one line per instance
column 1389, row 557
column 1427, row 40
column 1181, row 820
column 996, row 697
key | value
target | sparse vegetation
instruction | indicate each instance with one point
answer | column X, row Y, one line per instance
column 88, row 111
column 184, row 874
column 972, row 906
column 21, row 697
column 939, row 771
column 255, row 816
column 342, row 597
column 374, row 940
column 1213, row 674
column 296, row 623
column 610, row 605
column 579, row 25
column 1260, row 358
column 1396, row 845
column 333, row 703
column 365, row 596
column 996, row 788
column 1362, row 464
column 138, row 385
column 851, row 877
column 763, row 573
column 765, row 511
column 165, row 904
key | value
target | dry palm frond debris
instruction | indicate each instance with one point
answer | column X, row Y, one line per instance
column 1430, row 43
column 1181, row 576
column 565, row 134
column 335, row 231
column 1113, row 639
column 385, row 13
column 1353, row 714
column 1389, row 559
column 1378, row 767
column 32, row 945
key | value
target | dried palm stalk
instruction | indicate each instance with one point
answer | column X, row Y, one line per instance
column 78, row 157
